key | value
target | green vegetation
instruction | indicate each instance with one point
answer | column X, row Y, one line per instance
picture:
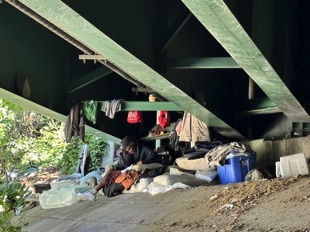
column 12, row 198
column 30, row 139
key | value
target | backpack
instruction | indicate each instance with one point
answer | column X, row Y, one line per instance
column 134, row 116
column 164, row 118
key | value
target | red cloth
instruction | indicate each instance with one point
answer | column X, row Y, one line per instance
column 128, row 178
column 112, row 177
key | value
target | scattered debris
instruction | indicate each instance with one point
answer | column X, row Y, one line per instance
column 41, row 177
column 214, row 197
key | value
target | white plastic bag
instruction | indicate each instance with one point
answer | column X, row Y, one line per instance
column 56, row 198
column 154, row 188
column 97, row 174
column 176, row 171
column 140, row 186
column 207, row 175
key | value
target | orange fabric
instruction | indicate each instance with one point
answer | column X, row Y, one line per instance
column 128, row 178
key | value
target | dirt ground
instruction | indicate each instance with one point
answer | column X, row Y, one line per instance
column 269, row 205
column 279, row 204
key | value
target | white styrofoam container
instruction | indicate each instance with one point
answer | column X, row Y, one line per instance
column 278, row 169
column 293, row 165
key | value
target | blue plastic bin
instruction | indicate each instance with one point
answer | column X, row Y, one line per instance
column 235, row 169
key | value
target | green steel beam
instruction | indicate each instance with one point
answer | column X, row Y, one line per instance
column 69, row 21
column 89, row 78
column 50, row 113
column 259, row 106
column 149, row 106
column 269, row 110
column 221, row 23
column 258, row 103
column 203, row 63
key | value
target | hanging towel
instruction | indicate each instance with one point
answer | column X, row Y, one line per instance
column 193, row 129
column 111, row 107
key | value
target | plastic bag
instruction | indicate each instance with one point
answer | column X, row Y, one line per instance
column 97, row 174
column 207, row 175
column 56, row 198
column 157, row 188
column 164, row 118
column 134, row 116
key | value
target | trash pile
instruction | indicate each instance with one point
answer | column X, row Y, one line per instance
column 42, row 176
column 235, row 199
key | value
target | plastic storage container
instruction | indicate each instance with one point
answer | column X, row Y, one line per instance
column 293, row 165
column 235, row 169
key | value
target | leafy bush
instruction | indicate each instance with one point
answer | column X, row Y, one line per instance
column 5, row 222
column 69, row 161
column 12, row 200
column 28, row 138
column 13, row 195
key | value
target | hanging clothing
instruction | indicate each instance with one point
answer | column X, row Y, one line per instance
column 174, row 136
column 90, row 110
column 111, row 107
column 75, row 124
column 193, row 129
column 164, row 118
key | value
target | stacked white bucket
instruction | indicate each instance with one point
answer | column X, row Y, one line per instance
column 292, row 165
